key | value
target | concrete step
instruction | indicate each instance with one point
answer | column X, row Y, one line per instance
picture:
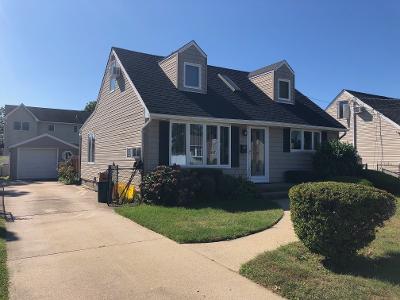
column 274, row 187
column 275, row 195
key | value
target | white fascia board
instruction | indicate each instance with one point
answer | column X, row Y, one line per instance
column 41, row 136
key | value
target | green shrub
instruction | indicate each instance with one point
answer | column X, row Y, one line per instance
column 350, row 179
column 67, row 173
column 336, row 219
column 169, row 186
column 335, row 158
column 383, row 181
column 300, row 176
column 175, row 186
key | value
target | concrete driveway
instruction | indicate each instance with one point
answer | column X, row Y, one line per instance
column 64, row 245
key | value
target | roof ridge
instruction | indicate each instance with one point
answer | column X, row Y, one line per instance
column 374, row 96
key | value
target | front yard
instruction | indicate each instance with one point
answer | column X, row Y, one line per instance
column 295, row 273
column 206, row 223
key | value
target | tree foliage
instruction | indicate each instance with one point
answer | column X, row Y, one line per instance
column 90, row 106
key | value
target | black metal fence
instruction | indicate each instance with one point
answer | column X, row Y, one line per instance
column 122, row 183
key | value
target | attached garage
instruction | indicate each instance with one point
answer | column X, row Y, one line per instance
column 36, row 163
column 38, row 158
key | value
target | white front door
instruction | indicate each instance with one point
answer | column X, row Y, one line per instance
column 258, row 154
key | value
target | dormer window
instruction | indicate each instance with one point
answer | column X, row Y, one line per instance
column 192, row 76
column 284, row 90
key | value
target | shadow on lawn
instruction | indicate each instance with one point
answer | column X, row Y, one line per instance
column 386, row 268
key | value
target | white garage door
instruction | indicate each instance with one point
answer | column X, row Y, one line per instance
column 37, row 163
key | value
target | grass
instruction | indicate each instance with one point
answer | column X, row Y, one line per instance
column 206, row 223
column 3, row 262
column 295, row 273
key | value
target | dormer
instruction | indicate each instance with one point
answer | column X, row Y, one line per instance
column 277, row 81
column 187, row 68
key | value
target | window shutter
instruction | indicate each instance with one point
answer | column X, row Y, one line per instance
column 286, row 139
column 324, row 136
column 163, row 143
column 235, row 145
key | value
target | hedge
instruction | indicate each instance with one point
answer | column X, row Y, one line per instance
column 336, row 219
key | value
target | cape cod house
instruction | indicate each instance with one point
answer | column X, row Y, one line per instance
column 177, row 109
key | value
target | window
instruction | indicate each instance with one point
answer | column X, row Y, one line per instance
column 296, row 140
column 200, row 144
column 196, row 144
column 75, row 128
column 91, row 147
column 304, row 140
column 284, row 89
column 192, row 75
column 25, row 126
column 308, row 140
column 50, row 127
column 113, row 76
column 113, row 84
column 316, row 140
column 133, row 152
column 340, row 107
column 178, row 144
column 212, row 145
column 224, row 141
column 17, row 125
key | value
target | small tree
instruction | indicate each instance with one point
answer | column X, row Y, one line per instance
column 90, row 106
column 335, row 158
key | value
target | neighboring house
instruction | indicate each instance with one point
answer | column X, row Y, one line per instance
column 373, row 124
column 36, row 139
column 178, row 109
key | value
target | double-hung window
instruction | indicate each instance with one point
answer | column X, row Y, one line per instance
column 18, row 125
column 91, row 147
column 304, row 140
column 200, row 144
column 284, row 89
column 192, row 76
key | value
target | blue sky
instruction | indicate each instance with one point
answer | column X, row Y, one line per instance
column 53, row 53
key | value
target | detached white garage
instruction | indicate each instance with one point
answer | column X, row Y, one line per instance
column 36, row 163
column 38, row 158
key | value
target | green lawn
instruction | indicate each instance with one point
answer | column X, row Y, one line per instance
column 3, row 262
column 206, row 223
column 295, row 273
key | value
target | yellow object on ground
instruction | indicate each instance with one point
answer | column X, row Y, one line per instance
column 128, row 194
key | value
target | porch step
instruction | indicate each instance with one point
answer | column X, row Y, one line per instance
column 273, row 187
column 275, row 195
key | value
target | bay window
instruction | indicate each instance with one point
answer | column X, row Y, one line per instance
column 200, row 145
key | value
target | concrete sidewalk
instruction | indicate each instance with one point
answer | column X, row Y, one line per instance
column 64, row 245
column 232, row 254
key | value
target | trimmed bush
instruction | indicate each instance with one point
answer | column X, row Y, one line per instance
column 173, row 186
column 169, row 186
column 336, row 219
column 350, row 179
column 300, row 176
column 67, row 173
column 383, row 181
column 335, row 158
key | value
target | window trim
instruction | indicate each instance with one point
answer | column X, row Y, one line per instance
column 302, row 139
column 204, row 138
column 184, row 75
column 133, row 157
column 289, row 90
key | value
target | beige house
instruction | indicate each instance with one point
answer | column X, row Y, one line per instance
column 36, row 139
column 373, row 124
column 177, row 109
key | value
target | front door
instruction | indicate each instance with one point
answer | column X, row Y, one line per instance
column 257, row 141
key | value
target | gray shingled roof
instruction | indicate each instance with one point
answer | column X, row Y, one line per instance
column 162, row 97
column 54, row 115
column 272, row 67
column 388, row 106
